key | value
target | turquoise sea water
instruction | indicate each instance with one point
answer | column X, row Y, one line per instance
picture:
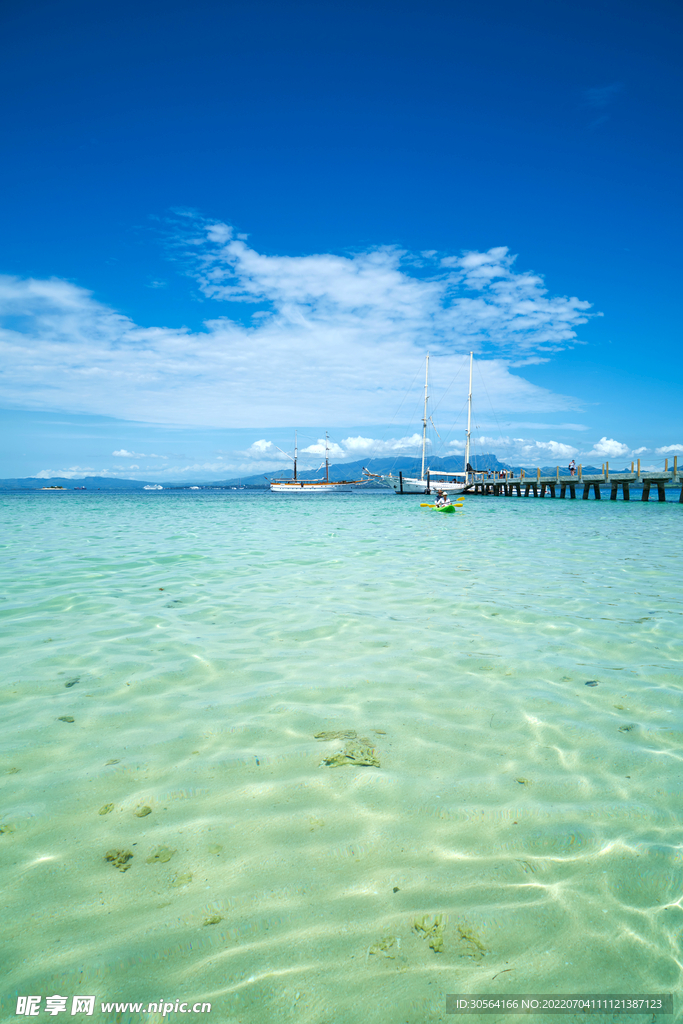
column 522, row 832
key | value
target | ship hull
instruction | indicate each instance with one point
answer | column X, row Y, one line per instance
column 411, row 485
column 305, row 487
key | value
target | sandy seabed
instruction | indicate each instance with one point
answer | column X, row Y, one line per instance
column 330, row 759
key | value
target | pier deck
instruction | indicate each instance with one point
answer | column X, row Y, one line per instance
column 580, row 485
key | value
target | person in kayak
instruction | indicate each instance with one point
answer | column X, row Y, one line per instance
column 441, row 499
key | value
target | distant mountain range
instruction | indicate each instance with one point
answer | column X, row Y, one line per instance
column 407, row 466
column 354, row 470
column 341, row 471
column 91, row 483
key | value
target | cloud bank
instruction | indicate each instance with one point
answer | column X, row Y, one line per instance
column 324, row 338
column 523, row 451
column 264, row 457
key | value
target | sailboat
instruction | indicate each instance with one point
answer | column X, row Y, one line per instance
column 452, row 482
column 297, row 486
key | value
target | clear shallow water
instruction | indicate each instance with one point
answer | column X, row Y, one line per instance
column 539, row 817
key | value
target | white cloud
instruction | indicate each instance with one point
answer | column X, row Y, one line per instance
column 530, row 361
column 71, row 473
column 347, row 450
column 133, row 472
column 261, row 447
column 514, row 450
column 534, row 425
column 669, row 448
column 600, row 99
column 603, row 95
column 193, row 467
column 123, row 454
column 520, row 450
column 556, row 449
column 608, row 448
column 639, row 451
column 334, row 450
column 334, row 339
column 359, row 447
column 523, row 451
column 373, row 292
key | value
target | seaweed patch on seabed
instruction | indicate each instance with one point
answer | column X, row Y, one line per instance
column 342, row 734
column 470, row 945
column 358, row 752
column 181, row 879
column 161, row 855
column 119, row 858
column 212, row 919
column 389, row 947
column 431, row 929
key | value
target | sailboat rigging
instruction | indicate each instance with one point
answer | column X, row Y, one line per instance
column 450, row 481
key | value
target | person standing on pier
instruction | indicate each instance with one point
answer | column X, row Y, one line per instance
column 572, row 468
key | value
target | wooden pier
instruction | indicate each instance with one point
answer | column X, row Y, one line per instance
column 580, row 485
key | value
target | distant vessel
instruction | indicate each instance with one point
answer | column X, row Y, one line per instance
column 152, row 487
column 52, row 487
column 297, row 486
column 80, row 488
column 453, row 482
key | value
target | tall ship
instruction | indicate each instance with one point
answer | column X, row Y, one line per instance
column 296, row 485
column 430, row 481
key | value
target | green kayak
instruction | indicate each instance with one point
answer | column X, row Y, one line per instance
column 439, row 508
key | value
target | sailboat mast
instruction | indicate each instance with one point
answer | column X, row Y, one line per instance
column 327, row 459
column 296, row 454
column 469, row 418
column 424, row 419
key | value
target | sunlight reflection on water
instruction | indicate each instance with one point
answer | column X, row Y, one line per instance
column 200, row 642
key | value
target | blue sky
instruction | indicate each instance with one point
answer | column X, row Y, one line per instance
column 222, row 221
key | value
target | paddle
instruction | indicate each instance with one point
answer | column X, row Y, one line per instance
column 454, row 504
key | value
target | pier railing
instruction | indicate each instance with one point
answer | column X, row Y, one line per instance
column 525, row 484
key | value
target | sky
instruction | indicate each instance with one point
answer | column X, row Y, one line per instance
column 223, row 222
